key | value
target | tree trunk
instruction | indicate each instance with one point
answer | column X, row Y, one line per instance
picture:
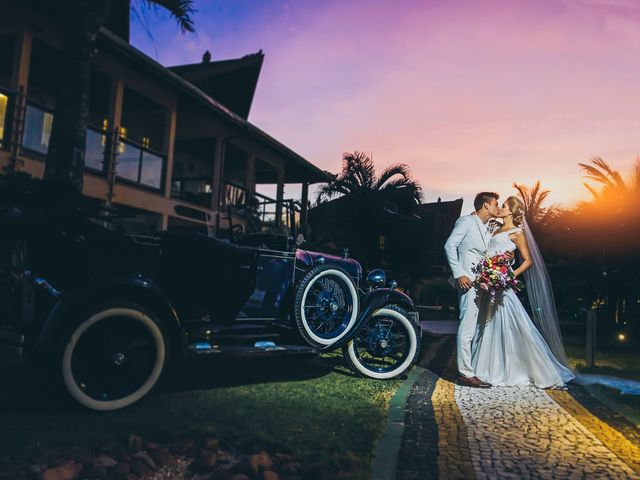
column 66, row 154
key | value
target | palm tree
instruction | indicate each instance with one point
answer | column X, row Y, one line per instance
column 533, row 198
column 80, row 21
column 358, row 177
column 613, row 185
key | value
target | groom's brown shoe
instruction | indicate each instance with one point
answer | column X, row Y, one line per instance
column 471, row 382
column 487, row 384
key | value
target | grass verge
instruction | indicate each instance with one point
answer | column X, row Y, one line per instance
column 314, row 409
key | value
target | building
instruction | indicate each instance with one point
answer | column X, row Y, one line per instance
column 172, row 147
column 387, row 229
column 438, row 219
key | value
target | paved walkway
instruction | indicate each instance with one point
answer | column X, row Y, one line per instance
column 453, row 432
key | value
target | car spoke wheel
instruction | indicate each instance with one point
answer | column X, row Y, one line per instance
column 326, row 305
column 385, row 346
column 114, row 357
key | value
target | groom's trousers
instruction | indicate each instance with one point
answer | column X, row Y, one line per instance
column 466, row 330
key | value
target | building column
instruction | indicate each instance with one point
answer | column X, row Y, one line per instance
column 169, row 148
column 113, row 129
column 21, row 61
column 279, row 197
column 19, row 84
column 303, row 208
column 250, row 178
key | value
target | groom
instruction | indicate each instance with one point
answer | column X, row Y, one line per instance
column 464, row 248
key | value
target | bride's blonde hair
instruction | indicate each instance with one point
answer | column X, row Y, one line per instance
column 517, row 210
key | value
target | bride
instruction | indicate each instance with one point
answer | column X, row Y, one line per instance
column 508, row 349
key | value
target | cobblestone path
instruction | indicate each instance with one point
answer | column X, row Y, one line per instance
column 454, row 432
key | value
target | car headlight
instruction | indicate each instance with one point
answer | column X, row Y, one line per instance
column 376, row 278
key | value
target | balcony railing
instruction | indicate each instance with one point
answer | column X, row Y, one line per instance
column 257, row 212
column 195, row 190
column 134, row 162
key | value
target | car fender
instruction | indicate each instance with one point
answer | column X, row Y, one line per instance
column 369, row 303
column 135, row 287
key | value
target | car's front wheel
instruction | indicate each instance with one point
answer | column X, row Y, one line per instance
column 113, row 356
column 385, row 346
column 326, row 305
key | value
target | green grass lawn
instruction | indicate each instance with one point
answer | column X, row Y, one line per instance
column 315, row 410
column 622, row 363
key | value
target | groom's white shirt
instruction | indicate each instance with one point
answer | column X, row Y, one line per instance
column 466, row 245
column 464, row 248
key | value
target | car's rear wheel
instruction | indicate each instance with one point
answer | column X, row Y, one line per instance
column 385, row 346
column 114, row 356
column 326, row 305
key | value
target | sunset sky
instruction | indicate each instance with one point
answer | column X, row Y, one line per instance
column 473, row 94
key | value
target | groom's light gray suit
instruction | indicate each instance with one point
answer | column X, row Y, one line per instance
column 464, row 248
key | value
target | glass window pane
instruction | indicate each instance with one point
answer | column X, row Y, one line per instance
column 128, row 162
column 4, row 100
column 151, row 174
column 37, row 129
column 94, row 154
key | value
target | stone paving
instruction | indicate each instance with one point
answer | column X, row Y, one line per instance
column 454, row 432
column 520, row 432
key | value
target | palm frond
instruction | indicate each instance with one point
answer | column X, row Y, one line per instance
column 416, row 189
column 390, row 172
column 332, row 189
column 181, row 10
column 594, row 193
column 359, row 166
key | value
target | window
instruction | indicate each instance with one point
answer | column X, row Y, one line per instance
column 4, row 107
column 141, row 166
column 95, row 150
column 37, row 129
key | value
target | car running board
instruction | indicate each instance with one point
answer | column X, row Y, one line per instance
column 256, row 350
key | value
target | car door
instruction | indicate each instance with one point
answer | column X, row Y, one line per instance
column 274, row 278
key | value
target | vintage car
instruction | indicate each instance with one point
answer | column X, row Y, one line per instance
column 102, row 312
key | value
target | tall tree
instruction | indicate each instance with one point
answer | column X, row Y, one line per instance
column 80, row 21
column 358, row 177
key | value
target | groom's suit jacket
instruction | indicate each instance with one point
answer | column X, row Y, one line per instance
column 466, row 245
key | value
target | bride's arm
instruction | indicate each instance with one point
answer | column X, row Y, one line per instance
column 521, row 242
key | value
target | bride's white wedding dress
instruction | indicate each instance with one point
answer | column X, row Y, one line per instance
column 508, row 349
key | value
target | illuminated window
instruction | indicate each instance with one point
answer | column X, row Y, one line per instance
column 382, row 240
column 4, row 101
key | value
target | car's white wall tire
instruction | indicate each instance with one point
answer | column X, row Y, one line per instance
column 312, row 277
column 136, row 314
column 356, row 365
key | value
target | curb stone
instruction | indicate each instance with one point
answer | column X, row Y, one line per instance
column 385, row 453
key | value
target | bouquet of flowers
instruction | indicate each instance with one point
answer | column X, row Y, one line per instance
column 494, row 274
